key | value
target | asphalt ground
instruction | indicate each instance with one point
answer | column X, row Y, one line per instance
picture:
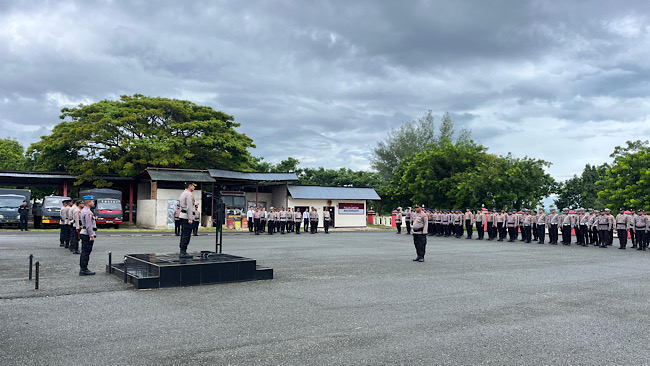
column 348, row 298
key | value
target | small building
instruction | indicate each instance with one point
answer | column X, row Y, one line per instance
column 347, row 206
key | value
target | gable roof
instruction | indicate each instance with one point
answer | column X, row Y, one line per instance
column 332, row 193
column 248, row 176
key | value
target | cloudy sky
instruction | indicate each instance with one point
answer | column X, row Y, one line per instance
column 564, row 81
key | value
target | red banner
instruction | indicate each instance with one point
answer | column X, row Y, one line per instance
column 351, row 209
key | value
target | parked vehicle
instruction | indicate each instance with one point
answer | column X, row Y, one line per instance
column 10, row 200
column 48, row 212
column 108, row 206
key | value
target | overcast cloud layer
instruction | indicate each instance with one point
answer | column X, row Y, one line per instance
column 562, row 81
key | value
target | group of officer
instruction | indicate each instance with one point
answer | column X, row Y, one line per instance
column 283, row 220
column 78, row 222
column 195, row 222
column 592, row 228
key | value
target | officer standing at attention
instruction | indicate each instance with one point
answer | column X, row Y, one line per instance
column 533, row 221
column 501, row 224
column 566, row 227
column 23, row 211
column 398, row 220
column 297, row 219
column 88, row 235
column 642, row 226
column 250, row 219
column 469, row 223
column 480, row 223
column 326, row 221
column 583, row 224
column 263, row 218
column 407, row 219
column 491, row 216
column 305, row 219
column 63, row 223
column 197, row 220
column 604, row 227
column 594, row 228
column 256, row 220
column 76, row 228
column 609, row 215
column 631, row 228
column 622, row 223
column 177, row 220
column 541, row 226
column 271, row 220
column 526, row 226
column 432, row 225
column 553, row 220
column 511, row 224
column 186, row 216
column 313, row 219
column 283, row 220
column 420, row 228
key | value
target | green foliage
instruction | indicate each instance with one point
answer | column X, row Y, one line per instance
column 11, row 155
column 581, row 191
column 463, row 174
column 409, row 138
column 126, row 136
column 627, row 181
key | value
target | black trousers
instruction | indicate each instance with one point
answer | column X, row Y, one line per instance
column 469, row 228
column 195, row 227
column 262, row 226
column 23, row 222
column 270, row 227
column 63, row 235
column 526, row 230
column 186, row 234
column 297, row 227
column 86, row 249
column 512, row 232
column 583, row 238
column 480, row 230
column 622, row 237
column 283, row 226
column 408, row 227
column 313, row 226
column 593, row 232
column 256, row 223
column 611, row 237
column 177, row 227
column 535, row 233
column 604, row 237
column 640, row 238
column 438, row 226
column 73, row 239
column 632, row 237
column 566, row 234
column 431, row 228
column 552, row 234
column 398, row 225
column 502, row 230
column 251, row 222
column 326, row 226
column 541, row 233
column 445, row 229
column 459, row 229
column 489, row 229
column 420, row 242
column 306, row 223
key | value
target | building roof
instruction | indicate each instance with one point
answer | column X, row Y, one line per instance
column 332, row 193
column 179, row 175
column 219, row 174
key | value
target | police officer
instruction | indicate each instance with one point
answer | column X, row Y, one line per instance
column 610, row 217
column 326, row 221
column 407, row 219
column 593, row 227
column 553, row 220
column 398, row 220
column 271, row 220
column 491, row 216
column 583, row 227
column 305, row 219
column 73, row 230
column 250, row 219
column 420, row 228
column 501, row 224
column 264, row 216
column 541, row 226
column 256, row 220
column 283, row 220
column 196, row 220
column 512, row 223
column 469, row 223
column 526, row 227
column 88, row 235
column 641, row 226
column 480, row 223
column 297, row 219
column 622, row 223
column 186, row 201
column 177, row 220
column 63, row 223
column 566, row 227
column 23, row 211
column 313, row 220
column 604, row 227
column 631, row 227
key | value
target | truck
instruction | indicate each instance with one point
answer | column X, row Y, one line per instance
column 108, row 206
column 48, row 212
column 10, row 200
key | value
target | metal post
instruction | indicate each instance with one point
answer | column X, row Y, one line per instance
column 110, row 262
column 38, row 265
column 125, row 271
column 31, row 263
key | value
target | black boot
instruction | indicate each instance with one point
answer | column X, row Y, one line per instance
column 86, row 272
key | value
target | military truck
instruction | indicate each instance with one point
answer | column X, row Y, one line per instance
column 10, row 200
column 48, row 212
column 108, row 205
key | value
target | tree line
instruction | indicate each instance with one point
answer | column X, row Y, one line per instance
column 418, row 162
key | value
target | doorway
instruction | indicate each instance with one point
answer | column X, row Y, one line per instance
column 331, row 210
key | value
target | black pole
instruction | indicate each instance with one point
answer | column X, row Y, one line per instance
column 125, row 273
column 38, row 265
column 110, row 262
column 31, row 264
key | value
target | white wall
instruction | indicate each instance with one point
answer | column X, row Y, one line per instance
column 340, row 220
column 279, row 197
column 146, row 213
column 152, row 214
column 261, row 197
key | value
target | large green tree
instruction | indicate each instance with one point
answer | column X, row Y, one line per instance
column 412, row 137
column 12, row 156
column 581, row 191
column 128, row 135
column 627, row 181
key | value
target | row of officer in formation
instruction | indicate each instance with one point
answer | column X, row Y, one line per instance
column 285, row 220
column 595, row 227
column 78, row 223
